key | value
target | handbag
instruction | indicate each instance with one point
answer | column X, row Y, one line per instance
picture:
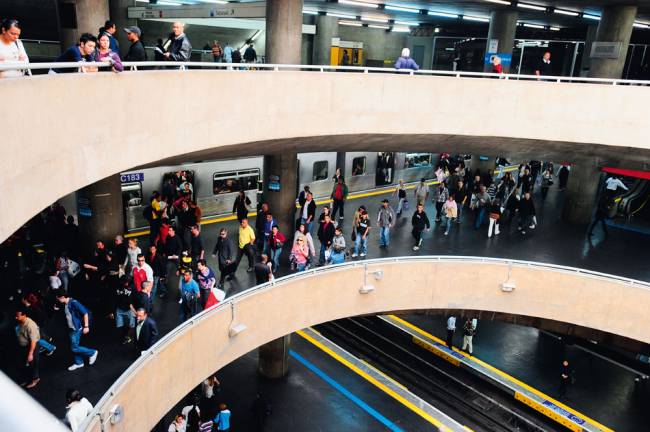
column 353, row 236
column 73, row 268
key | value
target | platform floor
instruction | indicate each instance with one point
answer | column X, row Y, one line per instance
column 553, row 241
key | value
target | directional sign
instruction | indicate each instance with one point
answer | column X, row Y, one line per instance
column 233, row 10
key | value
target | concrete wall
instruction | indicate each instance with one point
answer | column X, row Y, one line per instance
column 151, row 387
column 55, row 143
column 377, row 44
column 427, row 43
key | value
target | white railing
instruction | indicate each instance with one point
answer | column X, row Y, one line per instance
column 102, row 406
column 316, row 68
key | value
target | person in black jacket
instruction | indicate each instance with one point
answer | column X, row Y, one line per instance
column 420, row 222
column 602, row 213
column 325, row 235
column 180, row 48
column 260, row 222
column 308, row 211
column 223, row 250
column 173, row 252
column 240, row 207
column 156, row 261
column 136, row 50
column 146, row 331
column 526, row 213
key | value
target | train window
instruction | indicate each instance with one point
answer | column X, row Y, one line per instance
column 132, row 194
column 414, row 160
column 358, row 166
column 234, row 181
column 320, row 170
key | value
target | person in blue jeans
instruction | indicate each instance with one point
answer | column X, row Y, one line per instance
column 338, row 247
column 190, row 296
column 385, row 221
column 222, row 419
column 361, row 241
column 482, row 202
column 78, row 319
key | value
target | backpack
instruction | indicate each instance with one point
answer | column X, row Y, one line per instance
column 147, row 213
column 189, row 300
column 236, row 56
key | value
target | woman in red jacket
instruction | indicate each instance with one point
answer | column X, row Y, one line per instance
column 276, row 242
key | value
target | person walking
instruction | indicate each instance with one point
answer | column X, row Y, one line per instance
column 77, row 409
column 602, row 214
column 28, row 335
column 325, row 236
column 482, row 200
column 494, row 212
column 526, row 213
column 565, row 379
column 400, row 193
column 78, row 320
column 146, row 331
column 276, row 243
column 190, row 296
column 246, row 245
column 338, row 247
column 420, row 222
column 222, row 419
column 339, row 195
column 223, row 251
column 451, row 329
column 468, row 334
column 241, row 205
column 460, row 195
column 421, row 192
column 547, row 182
column 450, row 210
column 385, row 221
column 405, row 61
column 441, row 196
column 362, row 229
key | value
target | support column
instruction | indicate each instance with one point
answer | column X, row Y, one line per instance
column 503, row 25
column 327, row 27
column 283, row 31
column 281, row 172
column 119, row 15
column 80, row 16
column 274, row 358
column 616, row 24
column 585, row 63
column 582, row 191
column 100, row 213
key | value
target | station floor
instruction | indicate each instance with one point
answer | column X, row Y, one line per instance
column 553, row 241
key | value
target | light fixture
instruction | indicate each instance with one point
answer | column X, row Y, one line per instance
column 436, row 30
column 166, row 3
column 401, row 9
column 221, row 2
column 473, row 18
column 554, row 28
column 535, row 26
column 531, row 6
column 565, row 12
column 351, row 23
column 401, row 29
column 502, row 2
column 310, row 12
column 375, row 26
column 442, row 14
column 358, row 3
column 591, row 17
column 372, row 19
column 340, row 15
column 640, row 25
column 407, row 23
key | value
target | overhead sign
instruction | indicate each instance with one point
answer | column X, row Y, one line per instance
column 232, row 10
column 608, row 50
column 506, row 59
column 132, row 177
column 493, row 45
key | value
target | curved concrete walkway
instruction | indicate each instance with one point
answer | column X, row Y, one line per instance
column 184, row 357
column 66, row 131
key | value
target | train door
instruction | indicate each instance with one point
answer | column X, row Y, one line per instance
column 133, row 206
column 385, row 172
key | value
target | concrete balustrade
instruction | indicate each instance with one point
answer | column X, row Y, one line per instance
column 63, row 132
column 158, row 380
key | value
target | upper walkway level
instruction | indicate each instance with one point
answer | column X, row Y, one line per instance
column 66, row 131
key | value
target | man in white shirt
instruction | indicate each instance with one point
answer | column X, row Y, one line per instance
column 77, row 410
column 451, row 328
column 12, row 50
column 421, row 192
column 612, row 184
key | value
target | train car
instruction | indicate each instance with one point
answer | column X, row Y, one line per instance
column 316, row 171
column 411, row 167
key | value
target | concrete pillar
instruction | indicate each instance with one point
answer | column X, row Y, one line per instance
column 283, row 31
column 119, row 15
column 80, row 16
column 99, row 210
column 616, row 24
column 503, row 25
column 340, row 163
column 582, row 191
column 585, row 63
column 282, row 169
column 327, row 27
column 273, row 358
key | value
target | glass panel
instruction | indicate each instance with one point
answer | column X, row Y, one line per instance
column 229, row 182
column 359, row 165
column 132, row 194
column 413, row 160
column 320, row 170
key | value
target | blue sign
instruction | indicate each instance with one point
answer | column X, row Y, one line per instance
column 506, row 59
column 133, row 177
column 483, row 158
column 449, row 351
column 563, row 412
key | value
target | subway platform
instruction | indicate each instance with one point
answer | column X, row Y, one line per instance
column 622, row 253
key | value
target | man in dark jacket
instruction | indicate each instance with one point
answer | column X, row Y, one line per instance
column 260, row 222
column 526, row 213
column 146, row 331
column 325, row 235
column 308, row 211
column 420, row 222
column 339, row 195
column 180, row 48
column 223, row 250
column 136, row 50
column 250, row 55
column 173, row 252
column 602, row 213
column 240, row 206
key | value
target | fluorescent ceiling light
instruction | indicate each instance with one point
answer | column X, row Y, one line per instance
column 407, row 23
column 565, row 12
column 530, row 6
column 310, row 12
column 535, row 26
column 503, row 2
column 340, row 15
column 442, row 14
column 554, row 28
column 350, row 23
column 164, row 3
column 640, row 25
column 401, row 29
column 221, row 2
column 591, row 17
column 379, row 20
column 473, row 18
column 375, row 26
column 358, row 3
column 401, row 9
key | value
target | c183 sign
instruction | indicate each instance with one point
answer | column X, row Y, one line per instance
column 132, row 177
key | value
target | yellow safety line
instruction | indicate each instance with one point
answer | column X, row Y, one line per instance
column 327, row 201
column 503, row 374
column 373, row 381
column 398, row 384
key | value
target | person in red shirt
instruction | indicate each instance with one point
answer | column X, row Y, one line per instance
column 276, row 242
column 496, row 65
column 142, row 272
column 339, row 194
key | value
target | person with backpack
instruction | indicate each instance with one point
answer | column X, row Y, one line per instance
column 468, row 334
column 222, row 419
column 78, row 320
column 190, row 295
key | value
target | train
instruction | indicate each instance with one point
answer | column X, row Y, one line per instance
column 215, row 184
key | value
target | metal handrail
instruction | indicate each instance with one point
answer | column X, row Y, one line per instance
column 320, row 68
column 229, row 302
